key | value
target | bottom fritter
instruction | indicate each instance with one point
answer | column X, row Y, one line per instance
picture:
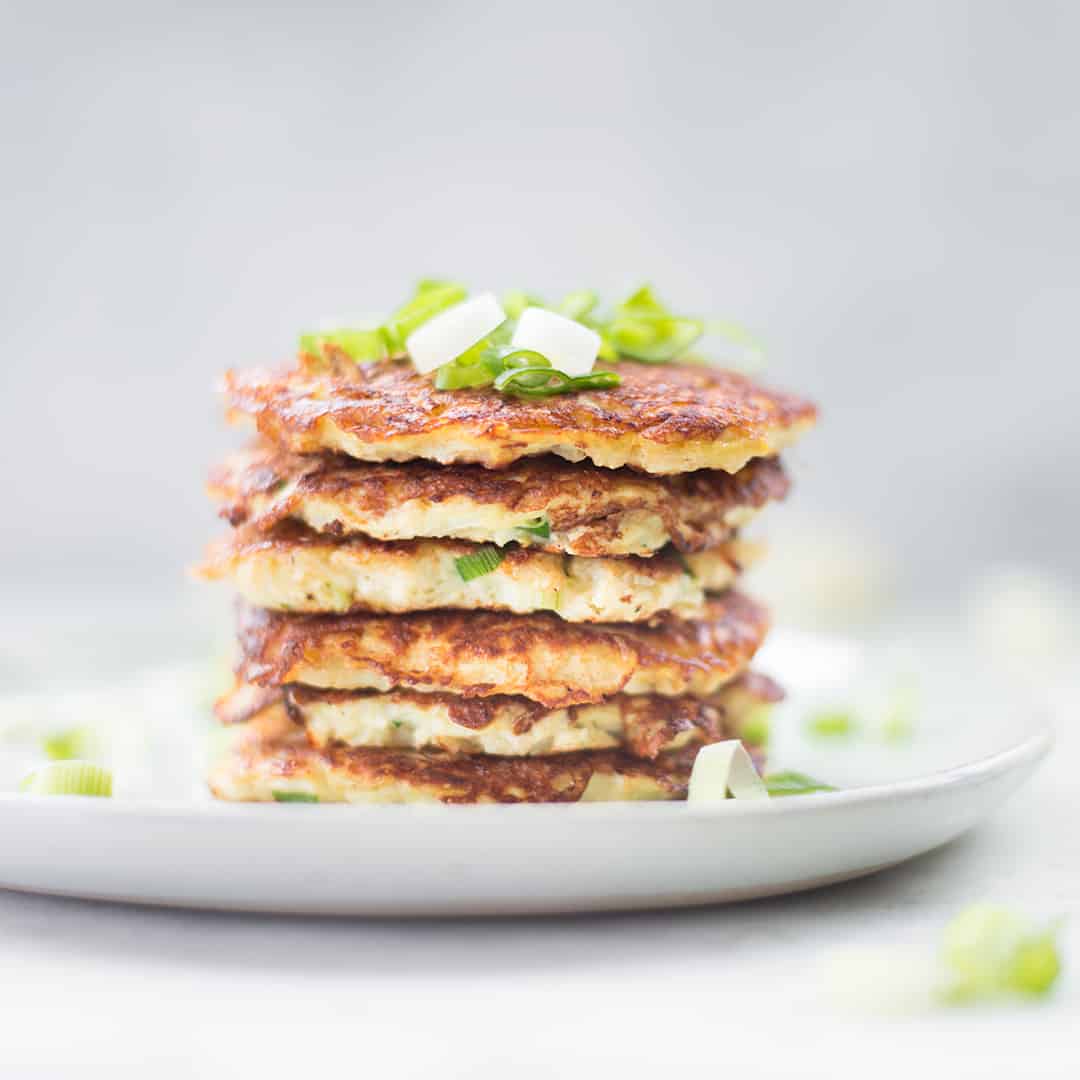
column 272, row 760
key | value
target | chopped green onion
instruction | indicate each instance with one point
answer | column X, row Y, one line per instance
column 75, row 743
column 990, row 950
column 644, row 329
column 755, row 728
column 523, row 382
column 1036, row 965
column 832, row 724
column 429, row 300
column 478, row 563
column 578, row 305
column 425, row 285
column 293, row 796
column 455, row 376
column 794, row 783
column 360, row 344
column 527, row 358
column 69, row 778
column 515, row 301
column 537, row 527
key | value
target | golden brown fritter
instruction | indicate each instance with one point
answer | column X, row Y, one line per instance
column 643, row 726
column 478, row 654
column 273, row 758
column 668, row 418
column 585, row 510
column 293, row 569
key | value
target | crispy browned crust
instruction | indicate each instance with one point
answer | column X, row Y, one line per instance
column 650, row 725
column 666, row 418
column 538, row 656
column 249, row 539
column 585, row 506
column 271, row 750
column 293, row 569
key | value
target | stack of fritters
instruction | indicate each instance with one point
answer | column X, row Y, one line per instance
column 588, row 653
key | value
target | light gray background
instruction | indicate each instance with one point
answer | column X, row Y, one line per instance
column 889, row 192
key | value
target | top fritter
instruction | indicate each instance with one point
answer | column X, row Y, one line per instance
column 667, row 419
column 471, row 380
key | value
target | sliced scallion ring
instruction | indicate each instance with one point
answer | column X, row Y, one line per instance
column 454, row 331
column 523, row 382
column 569, row 345
column 722, row 768
column 479, row 562
column 69, row 778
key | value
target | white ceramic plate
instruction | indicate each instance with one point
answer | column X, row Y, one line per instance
column 162, row 842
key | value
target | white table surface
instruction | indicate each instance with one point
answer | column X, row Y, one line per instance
column 98, row 989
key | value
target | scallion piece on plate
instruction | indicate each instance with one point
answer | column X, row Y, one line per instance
column 722, row 768
column 294, row 796
column 794, row 783
column 832, row 724
column 69, row 778
column 72, row 744
column 478, row 563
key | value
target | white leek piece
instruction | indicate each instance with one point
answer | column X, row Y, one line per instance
column 453, row 331
column 721, row 768
column 570, row 347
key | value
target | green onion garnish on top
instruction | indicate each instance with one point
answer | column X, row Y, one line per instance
column 69, row 778
column 364, row 344
column 479, row 562
column 640, row 328
column 430, row 298
column 644, row 329
column 547, row 382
